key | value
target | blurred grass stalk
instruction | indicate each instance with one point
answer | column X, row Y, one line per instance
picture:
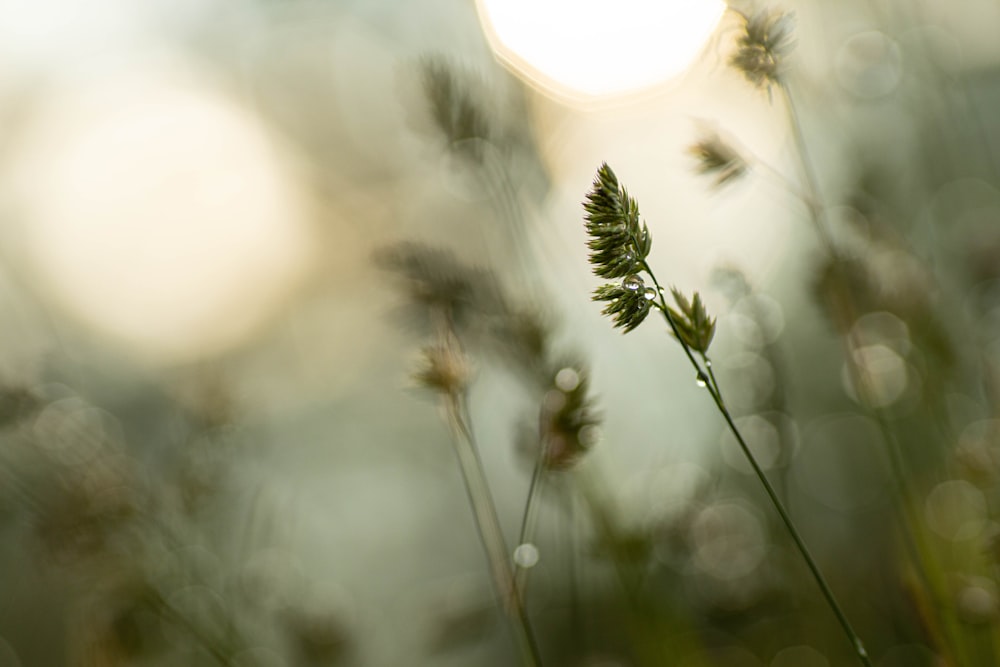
column 760, row 58
column 488, row 524
column 446, row 372
column 922, row 556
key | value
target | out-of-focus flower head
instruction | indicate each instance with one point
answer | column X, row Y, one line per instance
column 762, row 47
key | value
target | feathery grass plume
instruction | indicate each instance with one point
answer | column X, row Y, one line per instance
column 439, row 284
column 717, row 158
column 521, row 338
column 445, row 369
column 762, row 46
column 568, row 420
column 612, row 219
column 453, row 108
column 619, row 242
column 478, row 117
column 694, row 325
column 518, row 335
column 442, row 282
column 628, row 302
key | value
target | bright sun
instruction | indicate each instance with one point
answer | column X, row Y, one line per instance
column 588, row 49
column 159, row 212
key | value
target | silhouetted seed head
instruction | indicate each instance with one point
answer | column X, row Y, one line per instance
column 718, row 158
column 618, row 241
column 444, row 369
column 439, row 284
column 695, row 328
column 628, row 302
column 454, row 108
column 567, row 419
column 762, row 46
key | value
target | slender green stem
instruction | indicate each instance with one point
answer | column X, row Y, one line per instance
column 488, row 525
column 812, row 200
column 712, row 386
column 790, row 525
column 576, row 604
column 528, row 518
column 711, row 373
column 662, row 305
column 759, row 163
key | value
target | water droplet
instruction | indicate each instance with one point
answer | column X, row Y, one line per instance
column 701, row 380
column 633, row 283
column 650, row 294
column 567, row 379
column 708, row 363
column 526, row 555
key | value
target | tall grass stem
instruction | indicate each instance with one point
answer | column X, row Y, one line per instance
column 707, row 378
column 488, row 525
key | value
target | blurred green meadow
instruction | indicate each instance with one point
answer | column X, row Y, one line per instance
column 302, row 363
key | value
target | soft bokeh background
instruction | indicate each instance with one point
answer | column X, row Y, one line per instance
column 207, row 423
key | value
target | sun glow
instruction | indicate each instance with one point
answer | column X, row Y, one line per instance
column 582, row 49
column 158, row 212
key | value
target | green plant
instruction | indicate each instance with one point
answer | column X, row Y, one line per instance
column 619, row 245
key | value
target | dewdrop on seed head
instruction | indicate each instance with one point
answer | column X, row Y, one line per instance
column 633, row 283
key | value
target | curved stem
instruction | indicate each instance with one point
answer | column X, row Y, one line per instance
column 528, row 518
column 816, row 211
column 755, row 161
column 488, row 525
column 711, row 373
column 790, row 525
column 712, row 386
column 665, row 311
